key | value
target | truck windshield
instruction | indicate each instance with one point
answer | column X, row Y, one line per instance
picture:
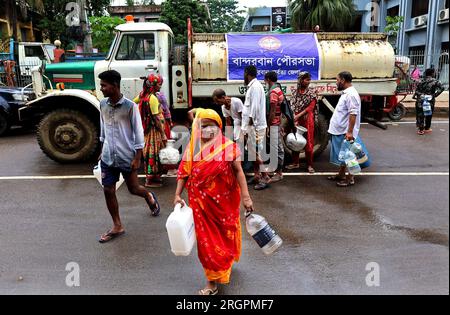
column 49, row 48
column 108, row 56
column 137, row 47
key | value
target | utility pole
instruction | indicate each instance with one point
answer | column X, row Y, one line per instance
column 84, row 22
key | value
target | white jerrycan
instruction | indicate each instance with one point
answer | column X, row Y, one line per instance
column 98, row 175
column 181, row 230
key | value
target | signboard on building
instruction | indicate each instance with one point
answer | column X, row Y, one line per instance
column 279, row 18
column 286, row 54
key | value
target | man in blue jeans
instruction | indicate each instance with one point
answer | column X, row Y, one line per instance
column 122, row 139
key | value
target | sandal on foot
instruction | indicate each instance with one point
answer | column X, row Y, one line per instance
column 276, row 178
column 345, row 183
column 311, row 170
column 109, row 236
column 155, row 212
column 253, row 181
column 208, row 291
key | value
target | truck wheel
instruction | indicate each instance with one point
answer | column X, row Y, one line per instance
column 4, row 124
column 66, row 136
column 398, row 113
column 321, row 139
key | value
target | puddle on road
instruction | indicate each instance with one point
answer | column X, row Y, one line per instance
column 368, row 215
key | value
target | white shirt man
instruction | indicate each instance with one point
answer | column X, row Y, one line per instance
column 254, row 107
column 235, row 112
column 349, row 104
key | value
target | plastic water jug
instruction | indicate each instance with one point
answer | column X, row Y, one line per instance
column 97, row 171
column 181, row 230
column 169, row 155
column 296, row 142
column 264, row 235
column 426, row 105
column 361, row 156
column 352, row 163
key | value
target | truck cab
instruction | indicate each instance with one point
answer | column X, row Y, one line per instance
column 137, row 50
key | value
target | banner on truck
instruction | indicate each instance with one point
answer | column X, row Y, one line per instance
column 286, row 54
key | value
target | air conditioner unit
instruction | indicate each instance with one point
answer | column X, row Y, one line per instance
column 420, row 21
column 443, row 15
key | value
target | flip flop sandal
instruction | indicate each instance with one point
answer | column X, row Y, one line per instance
column 109, row 236
column 155, row 212
column 208, row 291
column 345, row 183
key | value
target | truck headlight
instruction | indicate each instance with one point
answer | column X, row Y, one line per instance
column 20, row 97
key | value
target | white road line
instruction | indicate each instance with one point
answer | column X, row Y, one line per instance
column 2, row 178
column 393, row 123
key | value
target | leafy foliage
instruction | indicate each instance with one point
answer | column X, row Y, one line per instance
column 226, row 16
column 53, row 24
column 393, row 25
column 330, row 15
column 103, row 31
column 176, row 12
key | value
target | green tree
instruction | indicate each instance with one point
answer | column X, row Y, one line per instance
column 53, row 23
column 226, row 16
column 103, row 31
column 176, row 12
column 330, row 15
column 393, row 25
column 96, row 7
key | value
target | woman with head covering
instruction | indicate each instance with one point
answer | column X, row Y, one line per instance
column 304, row 106
column 153, row 123
column 211, row 172
column 165, row 108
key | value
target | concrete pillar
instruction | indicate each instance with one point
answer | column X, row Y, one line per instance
column 431, row 32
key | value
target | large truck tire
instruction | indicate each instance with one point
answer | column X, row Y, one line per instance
column 67, row 136
column 179, row 55
column 321, row 139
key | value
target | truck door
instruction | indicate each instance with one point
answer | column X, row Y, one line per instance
column 30, row 56
column 135, row 57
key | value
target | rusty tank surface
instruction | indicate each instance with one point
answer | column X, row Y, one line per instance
column 365, row 55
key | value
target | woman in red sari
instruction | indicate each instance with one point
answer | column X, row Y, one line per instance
column 211, row 172
column 304, row 106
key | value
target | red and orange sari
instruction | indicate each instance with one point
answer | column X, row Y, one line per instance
column 215, row 197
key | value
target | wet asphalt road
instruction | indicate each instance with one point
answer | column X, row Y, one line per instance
column 330, row 234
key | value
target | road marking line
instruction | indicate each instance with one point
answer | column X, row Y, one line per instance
column 285, row 174
column 393, row 123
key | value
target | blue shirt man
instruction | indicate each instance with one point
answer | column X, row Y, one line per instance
column 122, row 138
column 121, row 132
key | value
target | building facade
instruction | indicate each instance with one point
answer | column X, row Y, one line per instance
column 18, row 19
column 141, row 13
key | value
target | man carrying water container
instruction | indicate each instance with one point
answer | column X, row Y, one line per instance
column 344, row 125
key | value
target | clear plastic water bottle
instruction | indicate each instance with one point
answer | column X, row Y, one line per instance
column 357, row 149
column 343, row 151
column 426, row 105
column 264, row 235
column 352, row 163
